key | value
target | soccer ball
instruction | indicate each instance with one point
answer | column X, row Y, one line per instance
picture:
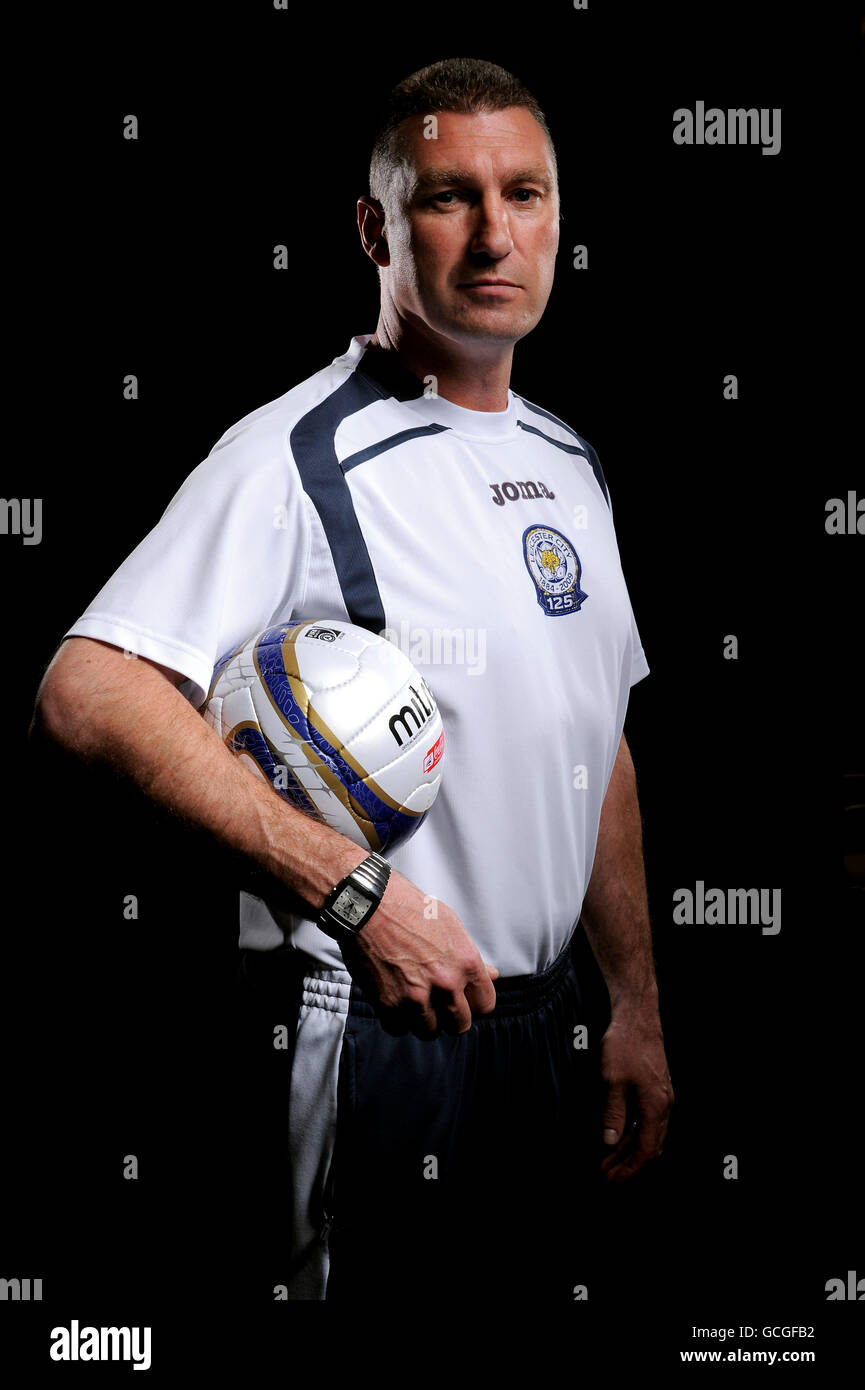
column 340, row 723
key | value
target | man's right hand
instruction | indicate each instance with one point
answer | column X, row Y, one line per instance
column 421, row 964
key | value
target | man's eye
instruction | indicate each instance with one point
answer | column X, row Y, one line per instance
column 449, row 196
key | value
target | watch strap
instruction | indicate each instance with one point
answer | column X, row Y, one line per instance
column 370, row 877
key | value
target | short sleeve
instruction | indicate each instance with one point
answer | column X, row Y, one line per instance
column 230, row 550
column 639, row 664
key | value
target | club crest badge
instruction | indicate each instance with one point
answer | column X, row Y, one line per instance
column 555, row 568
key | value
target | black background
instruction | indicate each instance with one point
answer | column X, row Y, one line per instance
column 154, row 257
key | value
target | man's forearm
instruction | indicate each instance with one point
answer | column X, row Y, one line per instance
column 615, row 911
column 129, row 715
column 105, row 708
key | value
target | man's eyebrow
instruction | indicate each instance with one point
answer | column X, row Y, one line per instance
column 434, row 178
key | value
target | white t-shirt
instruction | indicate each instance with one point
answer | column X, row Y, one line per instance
column 483, row 542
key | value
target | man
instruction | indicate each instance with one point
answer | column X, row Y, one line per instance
column 437, row 1085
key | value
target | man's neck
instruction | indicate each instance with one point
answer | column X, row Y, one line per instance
column 471, row 378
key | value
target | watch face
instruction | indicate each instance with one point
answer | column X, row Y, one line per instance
column 352, row 905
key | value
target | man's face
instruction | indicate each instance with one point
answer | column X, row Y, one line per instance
column 477, row 204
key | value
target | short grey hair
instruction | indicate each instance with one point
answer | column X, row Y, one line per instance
column 463, row 85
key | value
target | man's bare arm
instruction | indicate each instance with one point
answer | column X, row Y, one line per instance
column 104, row 707
column 615, row 916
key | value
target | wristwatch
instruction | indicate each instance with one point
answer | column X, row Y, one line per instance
column 352, row 901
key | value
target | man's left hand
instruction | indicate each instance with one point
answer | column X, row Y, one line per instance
column 639, row 1092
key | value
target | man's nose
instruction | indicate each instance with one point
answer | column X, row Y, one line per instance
column 491, row 234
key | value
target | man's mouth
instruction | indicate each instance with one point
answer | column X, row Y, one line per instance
column 488, row 286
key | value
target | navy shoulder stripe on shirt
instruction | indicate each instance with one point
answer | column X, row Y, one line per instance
column 584, row 447
column 312, row 445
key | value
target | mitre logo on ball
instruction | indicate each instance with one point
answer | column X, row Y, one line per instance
column 339, row 721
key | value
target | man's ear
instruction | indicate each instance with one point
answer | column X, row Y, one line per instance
column 370, row 224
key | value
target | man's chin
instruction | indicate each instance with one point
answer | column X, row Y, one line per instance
column 492, row 325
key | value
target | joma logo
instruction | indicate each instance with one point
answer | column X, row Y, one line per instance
column 513, row 492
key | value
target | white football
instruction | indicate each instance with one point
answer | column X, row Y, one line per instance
column 339, row 721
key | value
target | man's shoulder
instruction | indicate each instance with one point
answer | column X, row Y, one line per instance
column 543, row 422
column 547, row 423
column 270, row 424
